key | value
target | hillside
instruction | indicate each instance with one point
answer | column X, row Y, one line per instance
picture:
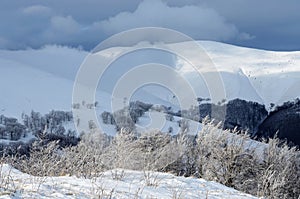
column 254, row 75
column 42, row 80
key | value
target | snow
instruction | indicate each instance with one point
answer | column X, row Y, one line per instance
column 42, row 80
column 251, row 74
column 275, row 76
column 24, row 88
column 145, row 120
column 57, row 60
column 132, row 185
column 29, row 137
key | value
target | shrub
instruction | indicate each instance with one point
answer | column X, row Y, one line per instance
column 270, row 169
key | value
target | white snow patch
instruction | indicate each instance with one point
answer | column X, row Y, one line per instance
column 132, row 185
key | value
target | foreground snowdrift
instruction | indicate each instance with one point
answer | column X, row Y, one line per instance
column 133, row 184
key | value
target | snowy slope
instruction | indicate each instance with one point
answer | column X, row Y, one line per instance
column 145, row 121
column 58, row 60
column 24, row 88
column 133, row 185
column 275, row 76
column 42, row 79
column 254, row 75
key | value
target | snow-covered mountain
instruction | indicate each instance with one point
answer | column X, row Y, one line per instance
column 43, row 79
column 273, row 77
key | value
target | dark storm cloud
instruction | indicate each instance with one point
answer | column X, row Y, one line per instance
column 34, row 23
column 268, row 24
column 196, row 21
column 275, row 23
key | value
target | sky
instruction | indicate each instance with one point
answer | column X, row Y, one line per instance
column 267, row 24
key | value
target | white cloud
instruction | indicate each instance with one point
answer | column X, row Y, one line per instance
column 64, row 24
column 61, row 29
column 69, row 22
column 196, row 21
column 246, row 36
column 37, row 10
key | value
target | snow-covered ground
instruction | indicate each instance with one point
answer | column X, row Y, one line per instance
column 273, row 77
column 25, row 139
column 133, row 184
column 42, row 80
column 145, row 120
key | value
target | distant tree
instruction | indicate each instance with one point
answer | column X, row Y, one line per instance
column 76, row 106
column 169, row 117
column 92, row 125
column 170, row 129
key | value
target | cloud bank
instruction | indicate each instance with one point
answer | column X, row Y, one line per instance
column 195, row 21
column 43, row 25
column 33, row 24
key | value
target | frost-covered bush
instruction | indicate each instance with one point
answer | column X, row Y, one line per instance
column 280, row 173
column 124, row 121
column 270, row 169
column 184, row 125
column 226, row 158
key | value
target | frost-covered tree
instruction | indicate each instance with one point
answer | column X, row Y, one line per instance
column 11, row 129
column 107, row 118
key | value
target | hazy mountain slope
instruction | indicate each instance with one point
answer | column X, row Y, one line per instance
column 24, row 88
column 57, row 60
column 41, row 79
